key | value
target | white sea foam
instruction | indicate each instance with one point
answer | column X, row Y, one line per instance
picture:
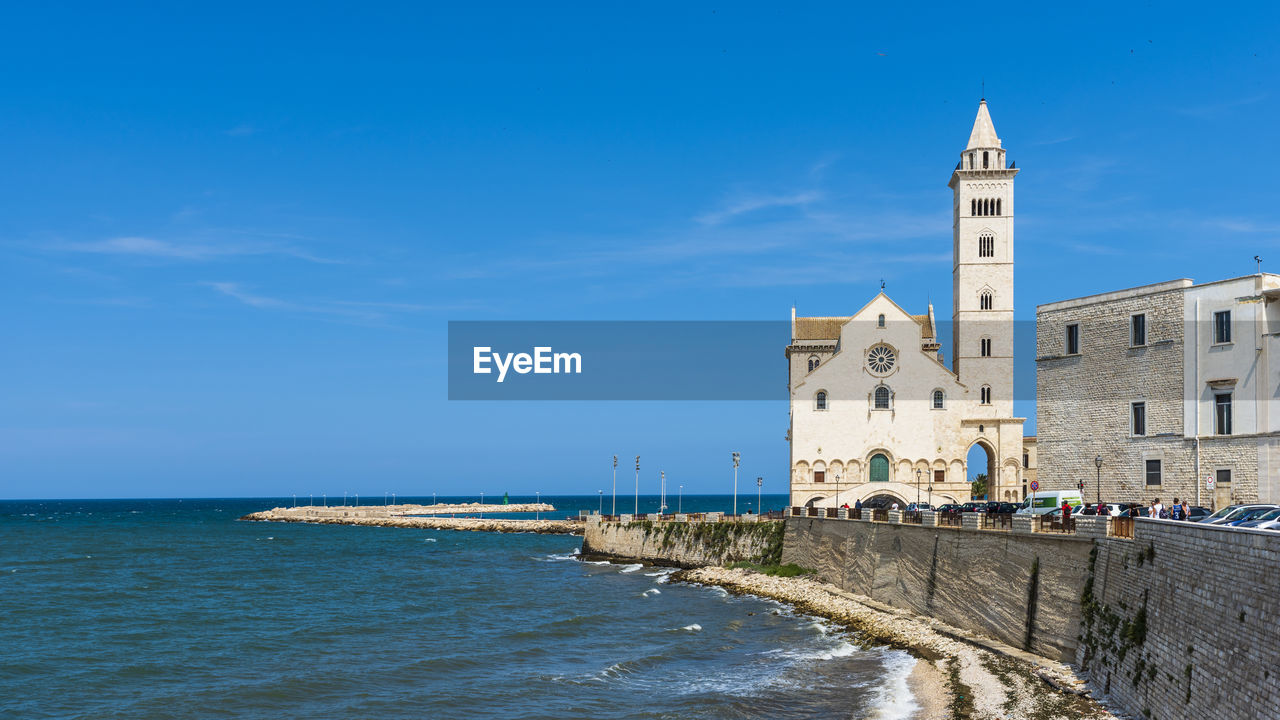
column 896, row 701
column 662, row 576
column 428, row 540
column 719, row 591
column 631, row 568
column 692, row 628
column 651, row 591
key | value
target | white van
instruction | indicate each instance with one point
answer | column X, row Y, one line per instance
column 1047, row 501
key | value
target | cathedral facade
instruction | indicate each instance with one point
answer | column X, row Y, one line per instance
column 876, row 413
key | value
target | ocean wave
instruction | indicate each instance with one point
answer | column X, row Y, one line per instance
column 695, row 627
column 428, row 540
column 896, row 701
column 651, row 591
column 631, row 568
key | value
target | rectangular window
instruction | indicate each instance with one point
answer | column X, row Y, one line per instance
column 939, row 476
column 1073, row 340
column 1153, row 472
column 1026, row 460
column 1223, row 477
column 1222, row 326
column 1138, row 417
column 819, row 476
column 986, row 347
column 1138, row 330
column 1222, row 413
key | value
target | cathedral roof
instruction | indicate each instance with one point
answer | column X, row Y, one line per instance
column 984, row 131
column 819, row 328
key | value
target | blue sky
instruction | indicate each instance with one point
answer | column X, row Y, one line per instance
column 232, row 236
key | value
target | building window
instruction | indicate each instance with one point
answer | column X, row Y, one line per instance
column 1222, row 413
column 939, row 476
column 819, row 476
column 938, row 399
column 1073, row 340
column 973, row 207
column 1222, row 326
column 1026, row 460
column 882, row 398
column 1153, row 472
column 879, row 468
column 986, row 246
column 1223, row 476
column 984, row 301
column 813, row 362
column 1138, row 418
column 821, row 400
column 880, row 321
column 998, row 206
column 985, row 157
column 985, row 395
column 985, row 347
column 970, row 161
column 1138, row 330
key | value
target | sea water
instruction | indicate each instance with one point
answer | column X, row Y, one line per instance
column 175, row 609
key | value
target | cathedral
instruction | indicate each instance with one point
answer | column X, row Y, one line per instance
column 876, row 413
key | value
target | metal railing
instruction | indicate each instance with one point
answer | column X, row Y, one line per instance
column 997, row 521
column 880, row 514
column 855, row 513
column 914, row 517
column 813, row 512
column 1054, row 523
column 951, row 518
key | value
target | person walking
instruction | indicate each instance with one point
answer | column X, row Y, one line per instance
column 1156, row 508
column 1175, row 510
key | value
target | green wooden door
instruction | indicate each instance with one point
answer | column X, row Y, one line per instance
column 879, row 469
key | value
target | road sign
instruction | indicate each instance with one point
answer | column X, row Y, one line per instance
column 1035, row 485
column 1209, row 482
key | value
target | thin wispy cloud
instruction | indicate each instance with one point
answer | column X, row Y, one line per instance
column 241, row 130
column 762, row 202
column 1216, row 110
column 1054, row 141
column 366, row 311
column 198, row 251
column 1242, row 225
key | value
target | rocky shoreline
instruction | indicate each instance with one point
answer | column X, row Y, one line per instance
column 544, row 527
column 956, row 676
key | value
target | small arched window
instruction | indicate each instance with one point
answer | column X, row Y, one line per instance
column 882, row 398
column 985, row 156
column 813, row 362
column 986, row 245
column 984, row 303
column 821, row 400
column 985, row 395
column 998, row 206
column 938, row 400
column 973, row 207
column 880, row 321
column 986, row 347
column 970, row 161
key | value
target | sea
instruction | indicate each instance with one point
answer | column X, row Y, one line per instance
column 175, row 608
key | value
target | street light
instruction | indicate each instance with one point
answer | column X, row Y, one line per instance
column 1097, row 461
column 918, row 489
column 736, row 459
column 601, row 505
column 637, row 510
column 759, row 484
column 662, row 498
column 680, row 501
column 614, row 509
column 837, row 489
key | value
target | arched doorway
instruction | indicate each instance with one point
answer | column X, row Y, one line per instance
column 879, row 468
column 883, row 500
column 983, row 472
column 814, row 501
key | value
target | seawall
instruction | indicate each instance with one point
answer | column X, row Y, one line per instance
column 546, row 527
column 685, row 544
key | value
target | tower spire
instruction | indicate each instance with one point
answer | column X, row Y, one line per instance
column 984, row 131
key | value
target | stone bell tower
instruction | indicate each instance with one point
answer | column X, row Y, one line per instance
column 982, row 278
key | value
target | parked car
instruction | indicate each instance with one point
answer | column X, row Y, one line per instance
column 1006, row 508
column 949, row 507
column 973, row 507
column 1232, row 512
column 1260, row 519
column 914, row 507
column 1250, row 516
column 1195, row 513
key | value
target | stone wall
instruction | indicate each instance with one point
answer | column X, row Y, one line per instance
column 685, row 544
column 1181, row 622
column 1023, row 590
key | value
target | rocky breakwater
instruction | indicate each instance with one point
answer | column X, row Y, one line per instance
column 958, row 675
column 383, row 519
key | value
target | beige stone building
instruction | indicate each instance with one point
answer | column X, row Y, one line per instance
column 1166, row 390
column 875, row 411
column 1029, row 464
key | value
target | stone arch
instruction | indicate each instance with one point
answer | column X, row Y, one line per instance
column 836, row 468
column 814, row 500
column 904, row 473
column 802, row 472
column 885, row 498
column 887, row 465
column 994, row 469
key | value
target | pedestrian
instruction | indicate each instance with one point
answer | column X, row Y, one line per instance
column 1103, row 510
column 857, row 504
column 1157, row 509
column 1186, row 511
column 895, row 505
column 1175, row 510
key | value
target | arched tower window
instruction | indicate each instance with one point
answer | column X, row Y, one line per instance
column 986, row 347
column 880, row 321
column 970, row 161
column 882, row 398
column 813, row 362
column 985, row 395
column 986, row 245
column 998, row 207
column 820, row 400
column 879, row 468
column 973, row 207
column 984, row 302
column 938, row 399
column 985, row 156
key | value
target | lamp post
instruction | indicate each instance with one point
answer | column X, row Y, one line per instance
column 357, row 499
column 662, row 498
column 680, row 500
column 614, row 509
column 1097, row 462
column 918, row 489
column 295, row 500
column 759, row 485
column 344, row 499
column 736, row 459
column 601, row 505
column 325, row 499
column 637, row 510
column 433, row 498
